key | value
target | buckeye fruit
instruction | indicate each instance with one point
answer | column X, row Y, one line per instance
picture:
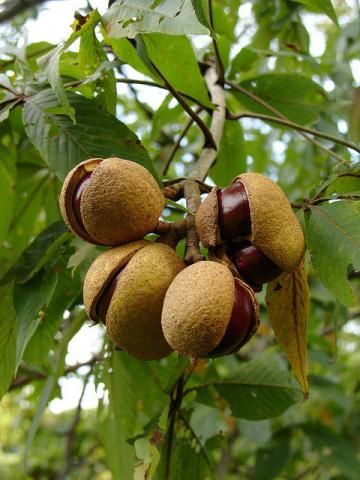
column 253, row 208
column 125, row 288
column 207, row 312
column 111, row 201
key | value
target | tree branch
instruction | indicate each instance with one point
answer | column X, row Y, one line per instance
column 178, row 141
column 72, row 430
column 193, row 201
column 296, row 126
column 209, row 140
column 13, row 8
column 219, row 64
column 208, row 155
column 23, row 380
column 162, row 87
column 276, row 112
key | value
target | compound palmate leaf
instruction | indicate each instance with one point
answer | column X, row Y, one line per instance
column 261, row 389
column 127, row 18
column 333, row 238
column 96, row 133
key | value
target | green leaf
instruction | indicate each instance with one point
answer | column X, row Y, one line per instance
column 49, row 63
column 127, row 18
column 29, row 299
column 271, row 460
column 7, row 338
column 68, row 289
column 333, row 238
column 40, row 251
column 201, row 9
column 243, row 61
column 295, row 96
column 231, row 160
column 135, row 397
column 324, row 6
column 57, row 369
column 185, row 462
column 334, row 449
column 181, row 58
column 7, row 197
column 96, row 134
column 261, row 389
column 126, row 51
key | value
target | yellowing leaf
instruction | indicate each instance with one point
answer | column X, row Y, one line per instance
column 287, row 302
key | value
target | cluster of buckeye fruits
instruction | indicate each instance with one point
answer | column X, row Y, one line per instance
column 148, row 300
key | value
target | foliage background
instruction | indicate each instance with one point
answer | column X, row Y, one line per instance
column 256, row 427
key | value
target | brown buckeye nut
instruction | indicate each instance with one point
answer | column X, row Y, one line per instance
column 125, row 288
column 207, row 312
column 253, row 208
column 110, row 202
column 251, row 264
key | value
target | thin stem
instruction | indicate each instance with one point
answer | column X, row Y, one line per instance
column 178, row 141
column 209, row 140
column 330, row 181
column 208, row 154
column 198, row 441
column 22, row 380
column 276, row 112
column 296, row 126
column 175, row 405
column 219, row 64
column 162, row 87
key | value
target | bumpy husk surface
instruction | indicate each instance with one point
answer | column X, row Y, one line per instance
column 122, row 202
column 133, row 320
column 275, row 229
column 197, row 308
column 206, row 220
column 102, row 271
column 65, row 200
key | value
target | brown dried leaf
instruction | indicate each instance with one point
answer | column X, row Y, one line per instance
column 287, row 300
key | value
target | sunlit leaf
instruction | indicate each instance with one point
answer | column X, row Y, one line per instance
column 96, row 134
column 127, row 18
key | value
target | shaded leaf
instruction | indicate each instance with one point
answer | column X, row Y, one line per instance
column 29, row 299
column 295, row 96
column 333, row 238
column 260, row 390
column 324, row 6
column 231, row 159
column 127, row 18
column 57, row 369
column 40, row 251
column 96, row 134
column 355, row 116
column 185, row 462
column 7, row 338
column 287, row 301
column 271, row 460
